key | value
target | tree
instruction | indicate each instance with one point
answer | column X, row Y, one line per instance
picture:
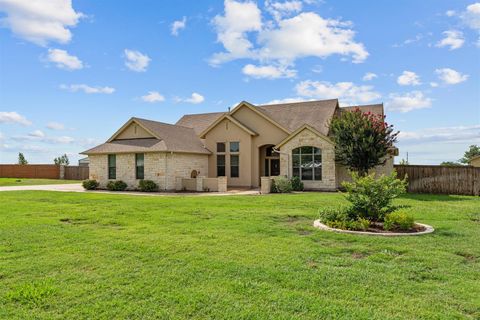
column 21, row 159
column 362, row 140
column 404, row 162
column 62, row 160
column 472, row 151
column 450, row 163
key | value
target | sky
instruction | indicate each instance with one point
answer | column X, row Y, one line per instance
column 72, row 72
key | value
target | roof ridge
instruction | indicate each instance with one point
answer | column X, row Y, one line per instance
column 294, row 102
column 160, row 122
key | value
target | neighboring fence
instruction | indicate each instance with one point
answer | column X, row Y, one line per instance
column 76, row 172
column 32, row 171
column 43, row 171
column 441, row 179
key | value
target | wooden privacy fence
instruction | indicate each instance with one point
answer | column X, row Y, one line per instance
column 43, row 171
column 441, row 179
column 31, row 171
column 76, row 173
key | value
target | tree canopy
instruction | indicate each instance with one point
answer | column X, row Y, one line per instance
column 21, row 159
column 362, row 140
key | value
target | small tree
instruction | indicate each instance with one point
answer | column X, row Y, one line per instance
column 21, row 159
column 362, row 140
column 62, row 160
column 404, row 162
column 450, row 164
column 472, row 151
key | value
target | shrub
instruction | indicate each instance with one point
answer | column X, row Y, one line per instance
column 372, row 198
column 90, row 184
column 398, row 220
column 297, row 184
column 282, row 185
column 147, row 186
column 118, row 185
column 340, row 218
column 330, row 215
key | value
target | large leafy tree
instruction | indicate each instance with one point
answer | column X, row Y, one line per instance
column 472, row 151
column 21, row 159
column 362, row 140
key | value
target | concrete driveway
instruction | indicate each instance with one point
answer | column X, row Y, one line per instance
column 71, row 187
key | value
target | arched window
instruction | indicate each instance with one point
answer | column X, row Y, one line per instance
column 307, row 163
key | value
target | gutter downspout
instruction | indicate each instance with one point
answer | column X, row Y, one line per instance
column 288, row 159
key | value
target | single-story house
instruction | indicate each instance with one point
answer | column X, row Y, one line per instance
column 242, row 144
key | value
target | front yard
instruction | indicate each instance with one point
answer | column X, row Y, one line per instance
column 9, row 182
column 84, row 256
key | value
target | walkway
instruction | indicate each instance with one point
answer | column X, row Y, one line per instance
column 78, row 188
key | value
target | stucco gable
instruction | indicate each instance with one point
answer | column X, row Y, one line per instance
column 230, row 118
column 258, row 113
column 132, row 129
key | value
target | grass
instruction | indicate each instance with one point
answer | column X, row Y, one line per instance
column 84, row 256
column 8, row 182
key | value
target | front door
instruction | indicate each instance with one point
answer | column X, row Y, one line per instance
column 274, row 167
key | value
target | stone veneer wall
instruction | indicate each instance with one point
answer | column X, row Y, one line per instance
column 308, row 138
column 160, row 167
column 343, row 175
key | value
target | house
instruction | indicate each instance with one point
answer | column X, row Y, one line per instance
column 83, row 162
column 243, row 145
column 475, row 161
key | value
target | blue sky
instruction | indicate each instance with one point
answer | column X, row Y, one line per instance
column 72, row 72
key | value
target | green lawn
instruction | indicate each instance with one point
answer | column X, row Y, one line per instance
column 99, row 256
column 8, row 182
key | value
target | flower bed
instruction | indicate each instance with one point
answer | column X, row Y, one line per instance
column 418, row 229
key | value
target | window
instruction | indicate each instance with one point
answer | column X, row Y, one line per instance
column 307, row 163
column 112, row 166
column 139, row 165
column 220, row 165
column 220, row 146
column 234, row 166
column 234, row 146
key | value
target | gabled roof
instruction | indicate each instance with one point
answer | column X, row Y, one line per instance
column 262, row 114
column 228, row 117
column 199, row 122
column 317, row 114
column 304, row 127
column 166, row 138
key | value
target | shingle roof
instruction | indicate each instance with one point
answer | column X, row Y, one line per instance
column 199, row 122
column 168, row 137
column 373, row 108
column 292, row 116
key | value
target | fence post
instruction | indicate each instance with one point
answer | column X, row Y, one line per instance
column 62, row 172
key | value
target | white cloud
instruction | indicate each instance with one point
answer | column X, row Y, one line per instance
column 287, row 100
column 40, row 21
column 471, row 16
column 195, row 98
column 457, row 133
column 55, row 126
column 433, row 84
column 269, row 71
column 308, row 34
column 282, row 9
column 407, row 102
column 136, row 61
column 63, row 60
column 37, row 134
column 450, row 13
column 13, row 117
column 450, row 76
column 369, row 76
column 283, row 40
column 346, row 92
column 408, row 78
column 87, row 89
column 232, row 28
column 153, row 96
column 453, row 39
column 178, row 25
